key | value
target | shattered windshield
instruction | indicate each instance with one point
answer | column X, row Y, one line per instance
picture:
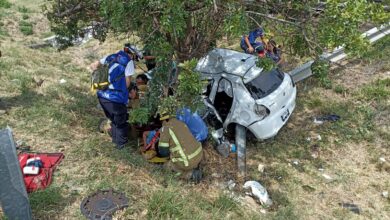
column 265, row 83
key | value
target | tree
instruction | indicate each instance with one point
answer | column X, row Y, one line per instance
column 189, row 28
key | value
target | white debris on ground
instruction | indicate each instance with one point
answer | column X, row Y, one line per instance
column 318, row 122
column 260, row 168
column 231, row 184
column 259, row 192
column 327, row 177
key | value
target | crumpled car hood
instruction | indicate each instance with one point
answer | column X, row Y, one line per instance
column 220, row 61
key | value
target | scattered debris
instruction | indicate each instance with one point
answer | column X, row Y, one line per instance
column 259, row 192
column 319, row 137
column 217, row 135
column 322, row 119
column 351, row 207
column 308, row 188
column 58, row 42
column 318, row 122
column 383, row 165
column 224, row 149
column 231, row 184
column 216, row 175
column 62, row 81
column 103, row 204
column 327, row 177
column 260, row 168
column 385, row 194
column 297, row 165
column 39, row 82
column 315, row 151
column 321, row 169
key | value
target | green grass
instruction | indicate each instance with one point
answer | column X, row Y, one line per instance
column 377, row 91
column 340, row 89
column 3, row 32
column 46, row 199
column 168, row 204
column 286, row 213
column 379, row 51
column 5, row 4
column 23, row 9
column 26, row 27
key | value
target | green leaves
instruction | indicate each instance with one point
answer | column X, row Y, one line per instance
column 5, row 4
column 341, row 22
column 190, row 86
column 320, row 69
column 266, row 63
column 188, row 91
column 139, row 116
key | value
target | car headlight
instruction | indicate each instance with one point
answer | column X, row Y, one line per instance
column 261, row 110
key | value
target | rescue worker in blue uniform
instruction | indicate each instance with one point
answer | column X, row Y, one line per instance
column 114, row 99
column 248, row 42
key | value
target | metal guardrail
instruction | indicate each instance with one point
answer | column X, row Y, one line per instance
column 304, row 71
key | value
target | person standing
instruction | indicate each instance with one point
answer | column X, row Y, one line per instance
column 114, row 98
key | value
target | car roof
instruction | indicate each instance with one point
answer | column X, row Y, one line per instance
column 229, row 62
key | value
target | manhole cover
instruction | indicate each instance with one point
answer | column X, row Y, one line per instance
column 102, row 204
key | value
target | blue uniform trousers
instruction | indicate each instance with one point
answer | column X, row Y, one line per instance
column 118, row 115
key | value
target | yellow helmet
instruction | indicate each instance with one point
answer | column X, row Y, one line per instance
column 164, row 116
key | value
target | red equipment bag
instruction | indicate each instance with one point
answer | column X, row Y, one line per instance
column 44, row 177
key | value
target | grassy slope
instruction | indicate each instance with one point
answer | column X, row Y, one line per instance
column 61, row 118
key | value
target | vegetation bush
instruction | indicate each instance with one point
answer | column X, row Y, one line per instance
column 5, row 4
column 26, row 27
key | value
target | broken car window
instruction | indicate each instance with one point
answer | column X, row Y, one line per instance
column 265, row 83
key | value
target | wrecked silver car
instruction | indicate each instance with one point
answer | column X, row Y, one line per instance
column 240, row 93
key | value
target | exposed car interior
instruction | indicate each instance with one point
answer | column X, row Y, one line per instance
column 224, row 98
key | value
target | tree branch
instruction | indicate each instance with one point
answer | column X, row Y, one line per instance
column 76, row 8
column 273, row 18
column 254, row 20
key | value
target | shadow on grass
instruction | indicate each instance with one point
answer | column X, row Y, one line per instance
column 66, row 105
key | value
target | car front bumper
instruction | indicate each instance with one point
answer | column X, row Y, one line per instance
column 270, row 126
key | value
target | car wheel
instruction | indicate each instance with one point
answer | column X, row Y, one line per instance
column 241, row 148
